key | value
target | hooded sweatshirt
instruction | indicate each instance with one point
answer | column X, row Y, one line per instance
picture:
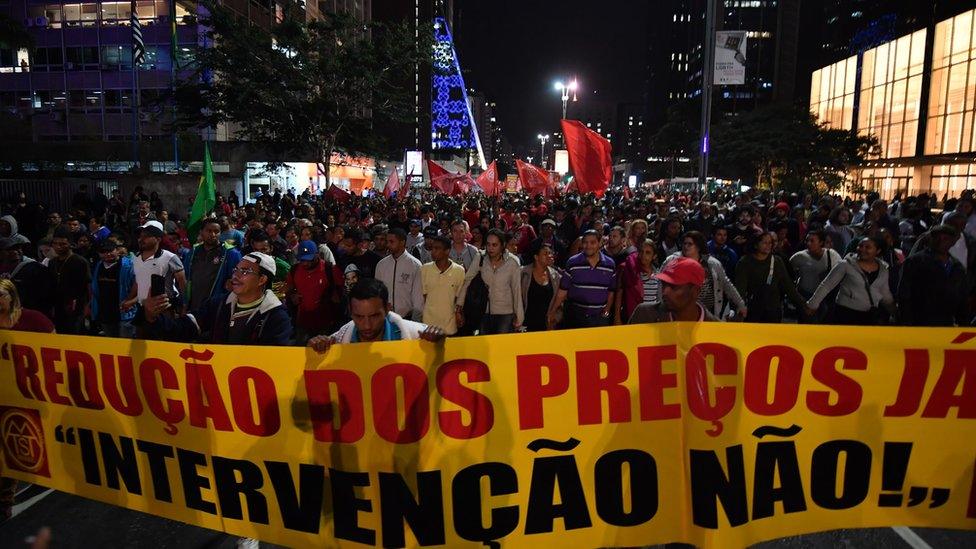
column 19, row 238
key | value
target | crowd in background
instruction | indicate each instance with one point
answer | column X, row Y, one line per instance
column 482, row 265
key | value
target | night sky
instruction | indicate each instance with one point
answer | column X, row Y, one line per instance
column 514, row 50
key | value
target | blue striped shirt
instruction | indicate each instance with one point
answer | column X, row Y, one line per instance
column 587, row 287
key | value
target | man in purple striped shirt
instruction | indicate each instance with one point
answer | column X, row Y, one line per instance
column 587, row 287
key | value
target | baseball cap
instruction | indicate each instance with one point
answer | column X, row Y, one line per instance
column 548, row 222
column 107, row 246
column 682, row 271
column 430, row 231
column 783, row 206
column 415, row 223
column 153, row 227
column 264, row 261
column 307, row 250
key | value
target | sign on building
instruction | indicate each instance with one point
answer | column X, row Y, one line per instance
column 730, row 58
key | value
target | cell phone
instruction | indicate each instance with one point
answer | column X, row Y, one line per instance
column 157, row 285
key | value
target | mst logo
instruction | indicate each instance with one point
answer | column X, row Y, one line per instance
column 23, row 440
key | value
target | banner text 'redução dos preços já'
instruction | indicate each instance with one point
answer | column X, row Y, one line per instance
column 711, row 434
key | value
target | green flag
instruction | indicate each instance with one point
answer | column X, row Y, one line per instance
column 206, row 197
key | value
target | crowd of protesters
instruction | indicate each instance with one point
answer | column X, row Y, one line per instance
column 286, row 269
column 333, row 268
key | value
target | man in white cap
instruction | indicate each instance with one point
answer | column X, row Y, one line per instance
column 153, row 260
column 250, row 315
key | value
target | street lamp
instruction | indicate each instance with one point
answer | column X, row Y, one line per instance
column 566, row 90
column 542, row 154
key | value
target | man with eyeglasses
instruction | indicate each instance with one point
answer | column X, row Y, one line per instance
column 250, row 315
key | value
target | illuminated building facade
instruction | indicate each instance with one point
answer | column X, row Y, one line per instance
column 916, row 93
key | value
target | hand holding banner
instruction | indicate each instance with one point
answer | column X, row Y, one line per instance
column 713, row 434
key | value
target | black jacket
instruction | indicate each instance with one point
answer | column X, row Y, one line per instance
column 932, row 294
column 211, row 322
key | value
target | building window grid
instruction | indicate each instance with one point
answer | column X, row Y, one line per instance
column 891, row 85
column 888, row 181
column 952, row 105
column 832, row 94
column 953, row 179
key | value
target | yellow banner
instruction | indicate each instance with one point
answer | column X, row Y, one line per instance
column 719, row 435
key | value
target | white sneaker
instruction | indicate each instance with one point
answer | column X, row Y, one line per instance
column 248, row 543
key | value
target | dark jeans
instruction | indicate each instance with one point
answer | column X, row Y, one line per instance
column 497, row 324
column 845, row 316
column 578, row 317
column 765, row 316
column 69, row 323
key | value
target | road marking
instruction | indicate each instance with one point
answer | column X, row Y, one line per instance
column 21, row 507
column 910, row 537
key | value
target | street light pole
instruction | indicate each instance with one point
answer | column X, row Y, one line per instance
column 542, row 149
column 708, row 73
column 565, row 91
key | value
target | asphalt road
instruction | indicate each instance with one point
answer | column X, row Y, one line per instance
column 85, row 524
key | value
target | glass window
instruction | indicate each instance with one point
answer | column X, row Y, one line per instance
column 952, row 103
column 891, row 94
column 73, row 56
column 117, row 57
column 832, row 94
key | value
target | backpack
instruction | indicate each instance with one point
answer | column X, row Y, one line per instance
column 476, row 298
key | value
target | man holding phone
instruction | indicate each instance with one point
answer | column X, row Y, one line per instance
column 251, row 315
column 153, row 261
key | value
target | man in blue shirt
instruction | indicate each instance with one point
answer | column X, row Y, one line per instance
column 372, row 320
column 587, row 287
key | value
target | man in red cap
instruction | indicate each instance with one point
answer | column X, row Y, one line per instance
column 681, row 283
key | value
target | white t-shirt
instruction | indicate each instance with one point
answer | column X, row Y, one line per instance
column 165, row 264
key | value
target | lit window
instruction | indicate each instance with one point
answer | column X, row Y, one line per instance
column 891, row 86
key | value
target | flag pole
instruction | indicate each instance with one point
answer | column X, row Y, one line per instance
column 172, row 81
column 138, row 47
column 708, row 73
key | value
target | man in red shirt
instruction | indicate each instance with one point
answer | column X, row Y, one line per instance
column 312, row 286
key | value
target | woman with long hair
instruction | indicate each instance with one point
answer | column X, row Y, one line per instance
column 762, row 280
column 540, row 283
column 501, row 272
column 637, row 282
column 14, row 317
column 863, row 281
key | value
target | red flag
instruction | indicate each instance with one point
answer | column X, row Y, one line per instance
column 440, row 178
column 488, row 180
column 589, row 157
column 534, row 179
column 462, row 184
column 392, row 184
column 406, row 185
column 436, row 170
column 336, row 194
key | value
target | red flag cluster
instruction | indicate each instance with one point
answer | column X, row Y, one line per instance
column 589, row 157
column 534, row 179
